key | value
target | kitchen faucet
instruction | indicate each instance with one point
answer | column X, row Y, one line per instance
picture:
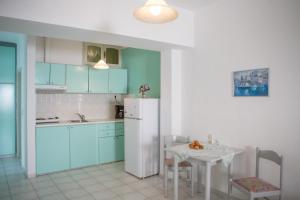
column 81, row 116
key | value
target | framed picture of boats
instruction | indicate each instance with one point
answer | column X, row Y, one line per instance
column 253, row 82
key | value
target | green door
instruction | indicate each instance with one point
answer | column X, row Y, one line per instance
column 42, row 73
column 52, row 149
column 7, row 119
column 7, row 99
column 58, row 74
column 118, row 81
column 98, row 80
column 77, row 79
column 107, row 149
column 7, row 63
column 83, row 145
column 120, row 148
column 112, row 56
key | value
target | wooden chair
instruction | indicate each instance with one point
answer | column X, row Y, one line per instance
column 254, row 186
column 171, row 140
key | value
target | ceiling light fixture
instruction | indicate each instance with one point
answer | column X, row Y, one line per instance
column 155, row 12
column 101, row 64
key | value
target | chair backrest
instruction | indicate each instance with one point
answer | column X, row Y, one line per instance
column 171, row 140
column 271, row 156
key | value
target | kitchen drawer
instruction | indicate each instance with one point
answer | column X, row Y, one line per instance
column 106, row 126
column 106, row 133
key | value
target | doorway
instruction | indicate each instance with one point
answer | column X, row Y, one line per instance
column 8, row 63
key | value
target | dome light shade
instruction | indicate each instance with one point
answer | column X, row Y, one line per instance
column 101, row 65
column 155, row 12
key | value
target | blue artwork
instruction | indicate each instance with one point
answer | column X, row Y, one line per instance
column 251, row 82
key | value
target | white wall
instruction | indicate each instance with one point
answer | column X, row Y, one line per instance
column 31, row 107
column 113, row 17
column 170, row 97
column 236, row 35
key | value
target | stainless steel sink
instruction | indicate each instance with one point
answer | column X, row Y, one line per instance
column 78, row 121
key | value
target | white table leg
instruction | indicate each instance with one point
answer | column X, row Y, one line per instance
column 175, row 178
column 199, row 176
column 207, row 181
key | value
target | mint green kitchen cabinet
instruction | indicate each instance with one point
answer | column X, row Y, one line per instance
column 58, row 74
column 119, row 128
column 77, row 79
column 83, row 145
column 52, row 149
column 107, row 150
column 119, row 148
column 118, row 81
column 98, row 80
column 42, row 73
column 50, row 74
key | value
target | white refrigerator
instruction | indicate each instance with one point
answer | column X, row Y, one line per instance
column 141, row 120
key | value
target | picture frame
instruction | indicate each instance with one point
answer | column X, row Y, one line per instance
column 251, row 83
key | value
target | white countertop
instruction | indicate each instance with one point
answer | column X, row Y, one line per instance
column 89, row 121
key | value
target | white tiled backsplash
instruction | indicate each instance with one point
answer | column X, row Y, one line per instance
column 93, row 106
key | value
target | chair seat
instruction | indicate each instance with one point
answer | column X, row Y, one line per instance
column 254, row 184
column 170, row 163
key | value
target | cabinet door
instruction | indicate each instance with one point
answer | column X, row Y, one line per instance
column 119, row 148
column 119, row 128
column 107, row 149
column 58, row 74
column 83, row 145
column 98, row 80
column 112, row 56
column 52, row 149
column 77, row 79
column 42, row 73
column 7, row 64
column 118, row 81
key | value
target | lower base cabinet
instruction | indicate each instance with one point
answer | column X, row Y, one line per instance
column 111, row 149
column 120, row 148
column 61, row 148
column 52, row 149
column 83, row 145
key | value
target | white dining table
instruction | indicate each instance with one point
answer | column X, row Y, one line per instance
column 208, row 157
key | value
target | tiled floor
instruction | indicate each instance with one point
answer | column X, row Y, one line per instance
column 97, row 182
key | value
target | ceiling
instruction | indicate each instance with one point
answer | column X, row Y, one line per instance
column 190, row 4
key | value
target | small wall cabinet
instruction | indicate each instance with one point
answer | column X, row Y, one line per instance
column 77, row 79
column 110, row 54
column 50, row 74
column 118, row 81
column 98, row 81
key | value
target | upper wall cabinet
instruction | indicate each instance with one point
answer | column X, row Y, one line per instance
column 77, row 79
column 118, row 81
column 98, row 81
column 110, row 54
column 42, row 73
column 58, row 74
column 50, row 74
